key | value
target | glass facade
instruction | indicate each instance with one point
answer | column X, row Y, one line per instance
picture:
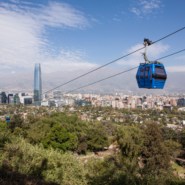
column 22, row 94
column 37, row 85
column 27, row 101
column 57, row 95
column 16, row 99
column 11, row 100
column 82, row 102
column 8, row 97
column 3, row 97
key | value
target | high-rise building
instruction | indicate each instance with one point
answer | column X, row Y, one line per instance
column 181, row 102
column 37, row 85
column 16, row 99
column 45, row 96
column 26, row 100
column 57, row 95
column 11, row 100
column 2, row 97
column 22, row 94
column 8, row 97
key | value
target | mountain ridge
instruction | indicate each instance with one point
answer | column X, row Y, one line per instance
column 121, row 83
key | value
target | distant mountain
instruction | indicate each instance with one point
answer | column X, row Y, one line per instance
column 126, row 82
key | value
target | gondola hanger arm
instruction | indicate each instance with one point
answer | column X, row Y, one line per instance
column 146, row 43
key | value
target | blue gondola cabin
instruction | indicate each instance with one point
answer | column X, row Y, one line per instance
column 151, row 75
column 7, row 119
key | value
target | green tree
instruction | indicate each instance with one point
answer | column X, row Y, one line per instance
column 39, row 130
column 96, row 137
column 181, row 137
column 59, row 138
column 154, row 154
column 174, row 147
column 4, row 134
column 82, row 143
column 17, row 131
column 32, row 118
column 3, row 126
column 164, row 121
column 130, row 143
column 15, row 121
column 109, row 127
column 168, row 133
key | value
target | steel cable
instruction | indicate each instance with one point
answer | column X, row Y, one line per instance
column 111, row 62
column 121, row 73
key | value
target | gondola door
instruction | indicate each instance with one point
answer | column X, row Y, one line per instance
column 147, row 76
column 142, row 77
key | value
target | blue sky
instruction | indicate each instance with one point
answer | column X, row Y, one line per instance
column 80, row 34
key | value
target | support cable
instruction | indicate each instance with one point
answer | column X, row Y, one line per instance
column 111, row 62
column 119, row 73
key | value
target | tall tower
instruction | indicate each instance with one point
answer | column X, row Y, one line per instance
column 37, row 84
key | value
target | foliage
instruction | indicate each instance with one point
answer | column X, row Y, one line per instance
column 174, row 147
column 130, row 142
column 168, row 133
column 144, row 152
column 109, row 172
column 4, row 137
column 182, row 137
column 3, row 126
column 179, row 169
column 109, row 127
column 155, row 155
column 59, row 138
column 49, row 165
column 16, row 178
column 32, row 118
column 16, row 121
column 82, row 143
column 17, row 131
column 4, row 134
column 76, row 134
column 97, row 137
column 39, row 131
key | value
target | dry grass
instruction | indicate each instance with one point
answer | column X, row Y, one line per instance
column 179, row 169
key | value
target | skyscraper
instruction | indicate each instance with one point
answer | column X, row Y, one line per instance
column 57, row 95
column 37, row 84
column 16, row 99
column 8, row 97
column 2, row 97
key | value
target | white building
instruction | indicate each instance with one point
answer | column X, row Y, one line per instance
column 25, row 100
column 45, row 103
column 120, row 105
column 99, row 118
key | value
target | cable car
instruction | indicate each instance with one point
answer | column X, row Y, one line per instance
column 151, row 74
column 7, row 119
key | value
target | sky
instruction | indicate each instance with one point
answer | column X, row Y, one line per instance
column 70, row 35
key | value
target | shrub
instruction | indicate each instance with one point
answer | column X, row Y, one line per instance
column 48, row 165
column 3, row 126
column 4, row 134
column 174, row 147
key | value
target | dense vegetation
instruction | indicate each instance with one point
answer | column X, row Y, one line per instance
column 42, row 150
